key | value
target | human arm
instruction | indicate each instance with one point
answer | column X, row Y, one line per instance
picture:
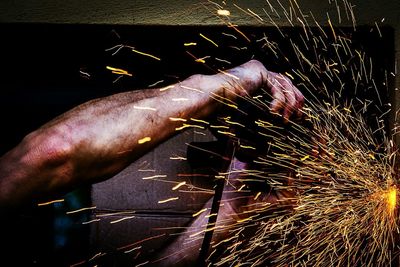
column 97, row 139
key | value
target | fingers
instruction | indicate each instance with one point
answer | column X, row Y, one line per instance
column 249, row 77
column 287, row 99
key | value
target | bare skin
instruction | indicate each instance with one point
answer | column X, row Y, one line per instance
column 97, row 139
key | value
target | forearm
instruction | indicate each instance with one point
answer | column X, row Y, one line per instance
column 98, row 139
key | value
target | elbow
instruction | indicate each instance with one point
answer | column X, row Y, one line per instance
column 48, row 149
column 39, row 167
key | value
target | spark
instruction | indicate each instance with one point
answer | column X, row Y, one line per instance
column 177, row 119
column 227, row 133
column 144, row 108
column 199, row 212
column 201, row 121
column 178, row 158
column 146, row 54
column 91, row 221
column 96, row 256
column 332, row 29
column 168, row 200
column 133, row 249
column 142, row 264
column 144, row 140
column 239, row 31
column 154, row 177
column 219, row 126
column 184, row 126
column 122, row 219
column 229, row 74
column 200, row 133
column 180, row 99
column 189, row 44
column 379, row 31
column 202, row 59
column 178, row 185
column 114, row 214
column 78, row 263
column 141, row 241
column 118, row 71
column 167, row 88
column 258, row 194
column 80, row 210
column 156, row 83
column 248, row 147
column 223, row 60
column 50, row 202
column 230, row 35
column 192, row 89
column 255, row 15
column 208, row 39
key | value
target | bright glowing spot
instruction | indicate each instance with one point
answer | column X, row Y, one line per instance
column 392, row 199
column 189, row 44
column 144, row 140
column 223, row 12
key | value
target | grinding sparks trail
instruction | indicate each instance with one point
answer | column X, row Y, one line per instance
column 341, row 197
column 332, row 197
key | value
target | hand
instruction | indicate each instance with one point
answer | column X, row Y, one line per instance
column 259, row 95
column 248, row 78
